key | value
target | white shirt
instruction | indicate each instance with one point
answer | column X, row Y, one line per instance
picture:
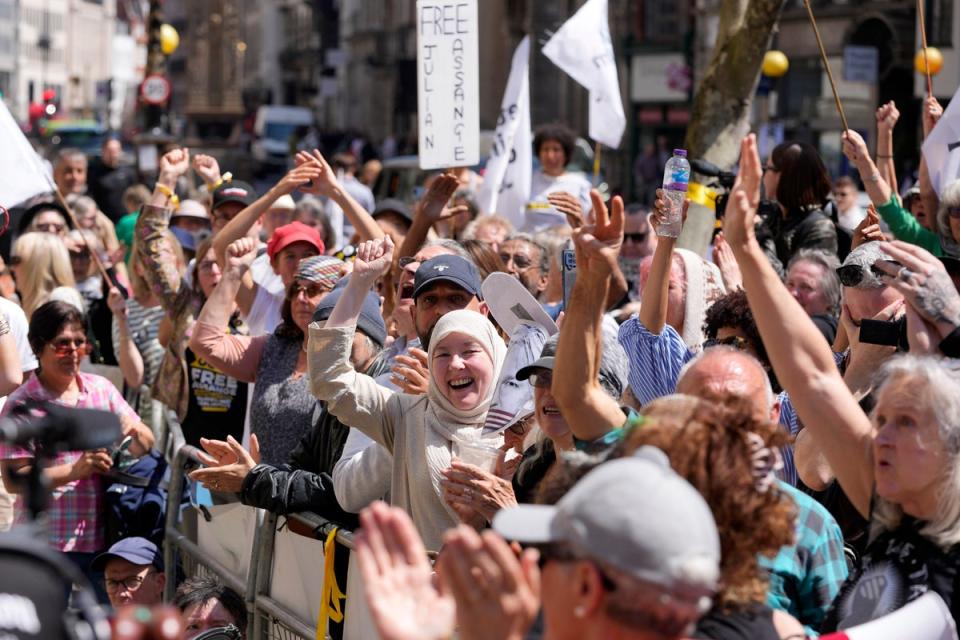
column 850, row 218
column 540, row 214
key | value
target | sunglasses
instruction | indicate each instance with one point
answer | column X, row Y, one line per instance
column 15, row 260
column 851, row 275
column 770, row 167
column 953, row 212
column 541, row 380
column 79, row 255
column 311, row 290
column 406, row 261
column 737, row 342
column 50, row 227
column 635, row 237
column 66, row 346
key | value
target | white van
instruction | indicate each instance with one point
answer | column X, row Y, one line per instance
column 272, row 131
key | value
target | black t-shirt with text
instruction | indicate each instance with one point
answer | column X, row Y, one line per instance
column 218, row 403
column 898, row 567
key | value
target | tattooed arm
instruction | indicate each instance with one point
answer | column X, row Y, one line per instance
column 926, row 285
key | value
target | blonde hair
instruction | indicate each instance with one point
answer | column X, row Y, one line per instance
column 45, row 265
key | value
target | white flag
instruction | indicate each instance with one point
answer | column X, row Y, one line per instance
column 941, row 149
column 22, row 174
column 582, row 48
column 506, row 182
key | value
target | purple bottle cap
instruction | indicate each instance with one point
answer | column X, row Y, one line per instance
column 680, row 152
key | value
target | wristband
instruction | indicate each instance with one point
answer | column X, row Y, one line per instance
column 227, row 177
column 171, row 196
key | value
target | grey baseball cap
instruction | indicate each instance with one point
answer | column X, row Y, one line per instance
column 635, row 515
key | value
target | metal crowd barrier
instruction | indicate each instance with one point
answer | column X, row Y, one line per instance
column 267, row 617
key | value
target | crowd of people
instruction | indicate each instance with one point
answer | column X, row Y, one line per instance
column 759, row 442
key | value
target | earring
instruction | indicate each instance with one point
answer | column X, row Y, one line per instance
column 580, row 611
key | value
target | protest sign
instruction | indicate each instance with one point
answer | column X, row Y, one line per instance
column 583, row 49
column 506, row 184
column 942, row 147
column 448, row 87
column 22, row 173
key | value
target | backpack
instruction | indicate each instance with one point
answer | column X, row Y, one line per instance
column 136, row 500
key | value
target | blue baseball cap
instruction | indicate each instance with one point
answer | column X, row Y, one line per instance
column 134, row 550
column 447, row 268
column 371, row 319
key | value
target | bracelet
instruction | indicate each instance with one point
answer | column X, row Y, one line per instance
column 171, row 196
column 227, row 177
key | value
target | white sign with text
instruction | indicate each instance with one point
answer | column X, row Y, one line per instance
column 448, row 87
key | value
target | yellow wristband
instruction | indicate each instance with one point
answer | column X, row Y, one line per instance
column 167, row 191
column 227, row 177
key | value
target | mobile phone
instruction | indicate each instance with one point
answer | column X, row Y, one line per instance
column 121, row 448
column 568, row 270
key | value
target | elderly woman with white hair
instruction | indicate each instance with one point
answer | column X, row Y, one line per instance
column 899, row 465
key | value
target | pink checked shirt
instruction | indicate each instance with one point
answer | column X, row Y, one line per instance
column 74, row 508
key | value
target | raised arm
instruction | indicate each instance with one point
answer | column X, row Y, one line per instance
column 328, row 186
column 653, row 305
column 428, row 210
column 240, row 226
column 804, row 364
column 160, row 270
column 887, row 116
column 587, row 408
column 237, row 356
column 901, row 223
column 129, row 357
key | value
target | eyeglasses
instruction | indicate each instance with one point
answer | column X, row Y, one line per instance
column 49, row 227
column 80, row 255
column 311, row 290
column 15, row 260
column 560, row 553
column 130, row 584
column 521, row 262
column 953, row 212
column 635, row 237
column 541, row 380
column 65, row 346
column 737, row 342
column 770, row 167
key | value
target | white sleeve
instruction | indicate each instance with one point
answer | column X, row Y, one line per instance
column 19, row 329
column 362, row 474
column 264, row 313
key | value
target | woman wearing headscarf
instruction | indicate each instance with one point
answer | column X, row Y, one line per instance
column 282, row 408
column 465, row 358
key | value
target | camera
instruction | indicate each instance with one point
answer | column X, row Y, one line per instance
column 889, row 333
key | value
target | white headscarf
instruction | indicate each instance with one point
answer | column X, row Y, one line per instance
column 445, row 422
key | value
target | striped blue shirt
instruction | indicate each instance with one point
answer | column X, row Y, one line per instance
column 655, row 364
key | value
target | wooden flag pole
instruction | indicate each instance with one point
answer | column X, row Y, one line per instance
column 73, row 220
column 826, row 65
column 923, row 40
column 596, row 165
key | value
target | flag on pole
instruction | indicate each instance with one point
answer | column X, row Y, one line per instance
column 941, row 149
column 22, row 174
column 506, row 182
column 583, row 49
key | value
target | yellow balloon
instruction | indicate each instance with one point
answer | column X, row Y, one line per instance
column 934, row 57
column 169, row 39
column 775, row 64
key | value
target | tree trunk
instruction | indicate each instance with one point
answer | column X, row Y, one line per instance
column 721, row 105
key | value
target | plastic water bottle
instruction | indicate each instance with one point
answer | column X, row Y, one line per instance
column 676, row 176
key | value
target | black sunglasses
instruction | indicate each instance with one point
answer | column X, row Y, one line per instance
column 737, row 342
column 635, row 237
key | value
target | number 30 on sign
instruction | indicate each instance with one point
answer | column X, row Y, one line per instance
column 155, row 89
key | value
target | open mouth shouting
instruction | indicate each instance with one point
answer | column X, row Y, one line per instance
column 461, row 384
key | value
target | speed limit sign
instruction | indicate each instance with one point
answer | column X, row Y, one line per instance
column 155, row 89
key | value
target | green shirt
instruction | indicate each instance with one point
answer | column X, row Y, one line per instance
column 905, row 227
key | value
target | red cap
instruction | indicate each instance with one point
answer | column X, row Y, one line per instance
column 290, row 233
